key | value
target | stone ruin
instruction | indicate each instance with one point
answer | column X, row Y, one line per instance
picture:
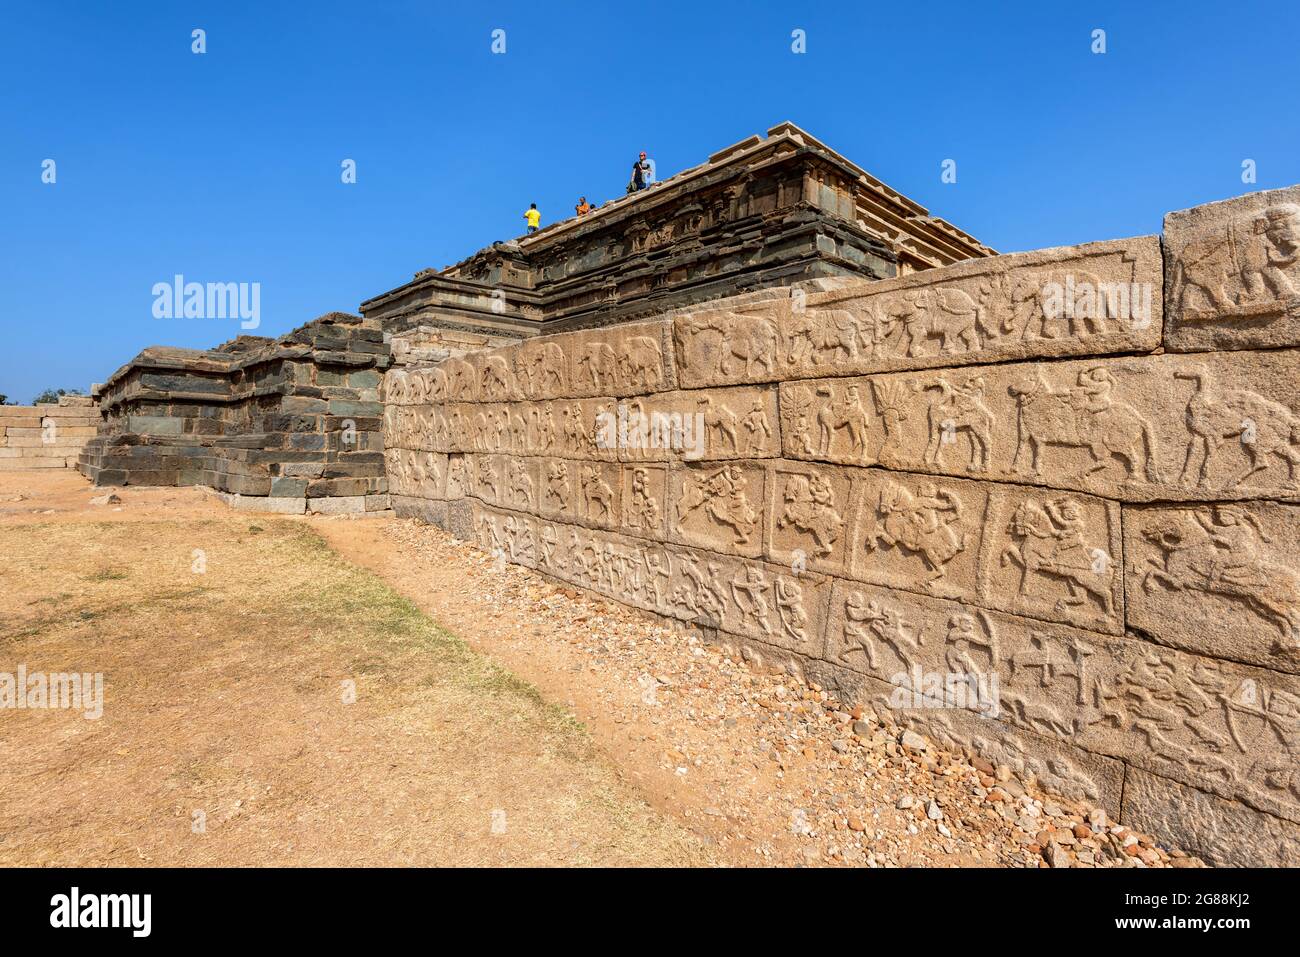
column 1044, row 506
column 46, row 436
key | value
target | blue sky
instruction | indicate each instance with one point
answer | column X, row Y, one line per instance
column 225, row 166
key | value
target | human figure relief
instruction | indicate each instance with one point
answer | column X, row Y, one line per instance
column 1051, row 545
column 658, row 566
column 557, row 485
column 809, row 506
column 757, row 430
column 1086, row 416
column 643, row 509
column 724, row 499
column 1214, row 415
column 789, row 608
column 959, row 409
column 796, row 418
column 1218, row 552
column 521, row 484
column 866, row 622
column 705, row 596
column 749, row 592
column 574, row 434
column 960, row 644
column 847, row 413
column 928, row 524
column 597, row 495
column 549, row 542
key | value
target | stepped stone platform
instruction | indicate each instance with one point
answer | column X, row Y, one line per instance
column 767, row 211
column 1044, row 506
column 46, row 436
column 286, row 425
column 292, row 424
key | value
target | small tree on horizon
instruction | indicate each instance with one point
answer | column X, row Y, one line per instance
column 52, row 395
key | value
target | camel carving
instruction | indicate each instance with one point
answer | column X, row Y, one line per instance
column 1215, row 415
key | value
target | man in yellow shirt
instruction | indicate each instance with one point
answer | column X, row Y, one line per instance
column 534, row 217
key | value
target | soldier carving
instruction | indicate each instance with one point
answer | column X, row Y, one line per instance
column 1231, row 274
column 1050, row 544
column 809, row 506
column 928, row 524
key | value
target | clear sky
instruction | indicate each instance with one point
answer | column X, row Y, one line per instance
column 226, row 166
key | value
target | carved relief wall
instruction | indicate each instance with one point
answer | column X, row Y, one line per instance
column 1046, row 505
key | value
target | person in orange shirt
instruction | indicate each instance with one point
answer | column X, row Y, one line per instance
column 583, row 207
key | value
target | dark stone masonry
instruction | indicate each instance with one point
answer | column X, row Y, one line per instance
column 286, row 425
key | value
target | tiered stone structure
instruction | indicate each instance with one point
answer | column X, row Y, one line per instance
column 1045, row 505
column 46, row 436
column 287, row 425
column 766, row 211
column 264, row 421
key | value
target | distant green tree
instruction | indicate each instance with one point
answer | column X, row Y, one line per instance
column 4, row 399
column 52, row 395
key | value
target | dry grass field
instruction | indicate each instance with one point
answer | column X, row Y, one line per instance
column 265, row 702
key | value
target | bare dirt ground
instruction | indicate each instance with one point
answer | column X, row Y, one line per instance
column 736, row 766
column 266, row 702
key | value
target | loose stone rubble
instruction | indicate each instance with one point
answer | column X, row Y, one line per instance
column 783, row 771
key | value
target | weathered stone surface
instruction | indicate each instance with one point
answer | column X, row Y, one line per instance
column 1184, row 428
column 810, row 511
column 708, row 425
column 1094, row 299
column 1007, row 547
column 1221, row 580
column 1033, row 536
column 765, row 212
column 1215, row 725
column 1234, row 273
column 750, row 600
column 1223, row 833
column 718, row 507
column 1057, row 766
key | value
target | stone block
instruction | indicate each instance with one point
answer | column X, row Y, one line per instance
column 1094, row 299
column 1223, row 833
column 1142, row 428
column 1220, row 579
column 1234, row 273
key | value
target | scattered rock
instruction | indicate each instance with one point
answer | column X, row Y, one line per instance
column 910, row 739
column 109, row 499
